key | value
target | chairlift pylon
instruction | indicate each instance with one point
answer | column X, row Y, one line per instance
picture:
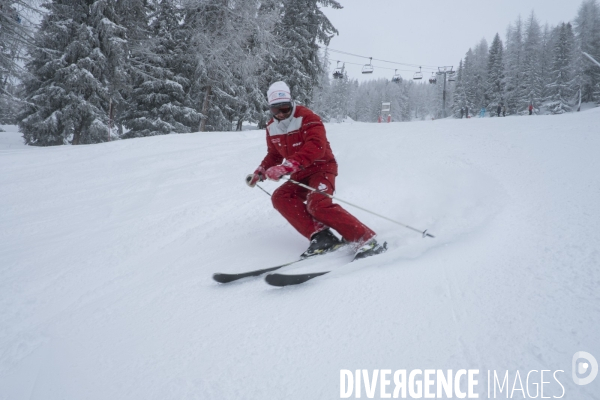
column 418, row 75
column 396, row 78
column 368, row 68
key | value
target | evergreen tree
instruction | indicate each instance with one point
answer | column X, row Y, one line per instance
column 495, row 75
column 531, row 83
column 231, row 41
column 460, row 97
column 404, row 103
column 134, row 16
column 546, row 58
column 560, row 94
column 339, row 100
column 470, row 81
column 479, row 73
column 587, row 28
column 160, row 101
column 15, row 35
column 302, row 26
column 77, row 55
column 578, row 73
column 513, row 65
column 323, row 92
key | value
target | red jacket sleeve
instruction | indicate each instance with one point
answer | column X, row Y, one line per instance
column 315, row 142
column 273, row 157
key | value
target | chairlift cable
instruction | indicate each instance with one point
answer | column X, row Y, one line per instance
column 386, row 61
column 375, row 66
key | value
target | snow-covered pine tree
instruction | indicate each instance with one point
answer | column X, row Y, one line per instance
column 495, row 76
column 470, row 82
column 230, row 40
column 546, row 58
column 364, row 109
column 77, row 55
column 560, row 95
column 459, row 97
column 15, row 34
column 578, row 73
column 531, row 88
column 404, row 104
column 302, row 26
column 587, row 29
column 339, row 98
column 513, row 61
column 159, row 102
column 479, row 73
column 322, row 93
column 134, row 16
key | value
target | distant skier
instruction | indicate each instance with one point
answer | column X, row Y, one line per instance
column 482, row 112
column 297, row 135
column 467, row 111
column 530, row 109
column 498, row 110
column 462, row 112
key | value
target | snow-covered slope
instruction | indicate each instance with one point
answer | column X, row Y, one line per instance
column 107, row 252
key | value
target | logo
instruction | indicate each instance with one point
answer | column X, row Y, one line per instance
column 281, row 94
column 275, row 140
column 582, row 363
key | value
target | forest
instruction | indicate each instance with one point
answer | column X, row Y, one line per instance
column 90, row 71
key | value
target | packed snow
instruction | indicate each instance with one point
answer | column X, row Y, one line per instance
column 107, row 253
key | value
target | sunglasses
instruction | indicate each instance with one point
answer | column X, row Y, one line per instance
column 283, row 108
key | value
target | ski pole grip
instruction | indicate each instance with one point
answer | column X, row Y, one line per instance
column 249, row 179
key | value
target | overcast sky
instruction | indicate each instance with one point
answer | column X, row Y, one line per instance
column 428, row 32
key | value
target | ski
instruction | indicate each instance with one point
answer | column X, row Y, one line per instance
column 287, row 280
column 226, row 278
column 282, row 280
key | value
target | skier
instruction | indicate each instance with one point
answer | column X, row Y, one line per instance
column 297, row 135
column 482, row 112
column 499, row 110
column 467, row 111
column 462, row 112
column 530, row 109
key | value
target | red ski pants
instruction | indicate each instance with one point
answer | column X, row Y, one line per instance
column 318, row 212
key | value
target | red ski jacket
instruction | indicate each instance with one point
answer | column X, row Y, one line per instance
column 300, row 138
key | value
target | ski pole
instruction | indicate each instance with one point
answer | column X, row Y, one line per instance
column 249, row 178
column 260, row 187
column 424, row 233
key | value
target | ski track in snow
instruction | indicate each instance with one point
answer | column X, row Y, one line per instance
column 107, row 253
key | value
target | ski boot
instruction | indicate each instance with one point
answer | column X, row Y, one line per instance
column 321, row 243
column 370, row 248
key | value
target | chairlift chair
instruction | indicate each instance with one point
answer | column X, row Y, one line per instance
column 339, row 71
column 396, row 78
column 433, row 79
column 418, row 75
column 451, row 76
column 368, row 68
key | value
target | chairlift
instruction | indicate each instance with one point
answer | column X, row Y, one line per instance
column 396, row 78
column 433, row 79
column 418, row 75
column 451, row 76
column 368, row 68
column 339, row 71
